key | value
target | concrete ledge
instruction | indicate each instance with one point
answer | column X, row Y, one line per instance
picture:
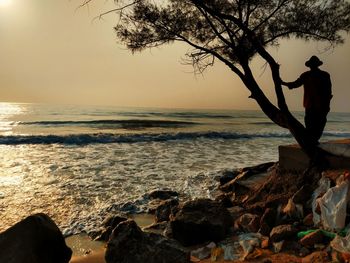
column 291, row 157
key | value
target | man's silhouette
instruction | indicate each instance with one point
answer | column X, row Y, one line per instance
column 317, row 97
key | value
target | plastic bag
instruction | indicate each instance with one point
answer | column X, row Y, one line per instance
column 323, row 186
column 203, row 252
column 341, row 244
column 333, row 207
column 248, row 242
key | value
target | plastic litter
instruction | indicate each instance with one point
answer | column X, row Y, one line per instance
column 333, row 206
column 277, row 246
column 341, row 244
column 216, row 253
column 323, row 185
column 331, row 235
column 293, row 210
column 232, row 251
column 248, row 242
column 203, row 252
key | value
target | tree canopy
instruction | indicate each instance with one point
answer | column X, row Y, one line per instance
column 233, row 32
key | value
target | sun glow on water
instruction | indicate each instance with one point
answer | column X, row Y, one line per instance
column 7, row 111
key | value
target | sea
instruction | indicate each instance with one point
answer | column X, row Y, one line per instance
column 79, row 164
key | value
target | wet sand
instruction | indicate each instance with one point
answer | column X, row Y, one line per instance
column 87, row 251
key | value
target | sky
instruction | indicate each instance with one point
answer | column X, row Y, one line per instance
column 52, row 52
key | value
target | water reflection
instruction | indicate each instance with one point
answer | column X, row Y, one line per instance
column 7, row 112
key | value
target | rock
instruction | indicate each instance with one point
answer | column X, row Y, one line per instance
column 235, row 212
column 199, row 221
column 316, row 257
column 227, row 176
column 163, row 211
column 225, row 199
column 302, row 195
column 113, row 221
column 128, row 243
column 36, row 239
column 162, row 194
column 260, row 168
column 247, row 223
column 311, row 239
column 282, row 232
column 265, row 243
column 235, row 185
column 109, row 224
column 157, row 228
column 308, row 220
column 267, row 221
column 304, row 252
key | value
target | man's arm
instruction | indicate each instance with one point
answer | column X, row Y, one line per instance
column 295, row 84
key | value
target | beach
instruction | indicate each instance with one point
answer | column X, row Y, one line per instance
column 80, row 164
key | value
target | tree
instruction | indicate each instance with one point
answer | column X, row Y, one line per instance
column 233, row 32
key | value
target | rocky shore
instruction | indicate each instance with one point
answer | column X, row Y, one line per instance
column 259, row 214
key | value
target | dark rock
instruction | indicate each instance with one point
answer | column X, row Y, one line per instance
column 225, row 199
column 238, row 184
column 164, row 210
column 316, row 257
column 260, row 168
column 199, row 221
column 35, row 239
column 109, row 224
column 308, row 220
column 282, row 232
column 269, row 217
column 248, row 223
column 267, row 221
column 157, row 228
column 103, row 234
column 304, row 252
column 234, row 186
column 129, row 244
column 311, row 239
column 235, row 212
column 162, row 194
column 227, row 176
column 302, row 195
column 113, row 221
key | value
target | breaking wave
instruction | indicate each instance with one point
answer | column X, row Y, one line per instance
column 99, row 138
column 82, row 139
column 118, row 123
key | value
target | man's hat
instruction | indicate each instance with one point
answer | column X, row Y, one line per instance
column 313, row 62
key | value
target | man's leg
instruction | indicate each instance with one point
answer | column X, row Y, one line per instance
column 315, row 123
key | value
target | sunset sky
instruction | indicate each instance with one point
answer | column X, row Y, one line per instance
column 52, row 52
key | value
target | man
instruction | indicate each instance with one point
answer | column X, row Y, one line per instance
column 317, row 97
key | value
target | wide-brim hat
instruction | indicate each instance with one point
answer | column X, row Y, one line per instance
column 313, row 61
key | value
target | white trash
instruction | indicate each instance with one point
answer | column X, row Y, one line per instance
column 323, row 186
column 333, row 207
column 341, row 244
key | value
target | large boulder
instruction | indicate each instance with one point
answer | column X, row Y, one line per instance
column 199, row 221
column 108, row 224
column 128, row 243
column 163, row 211
column 35, row 239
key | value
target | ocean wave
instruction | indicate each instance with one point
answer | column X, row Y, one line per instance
column 191, row 115
column 100, row 138
column 115, row 123
column 82, row 139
